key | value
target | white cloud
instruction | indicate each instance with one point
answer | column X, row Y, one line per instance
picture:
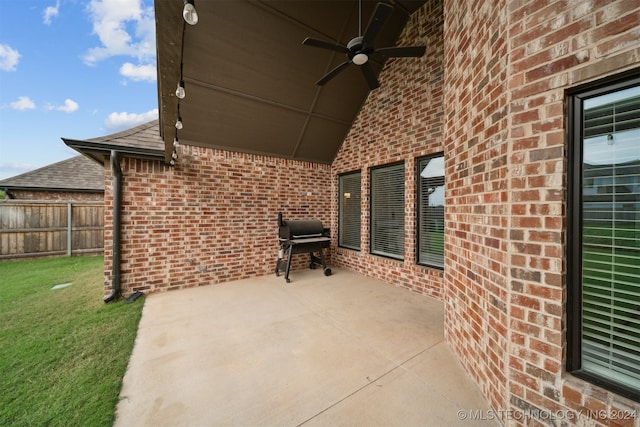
column 69, row 106
column 117, row 121
column 11, row 169
column 124, row 27
column 139, row 72
column 51, row 12
column 23, row 103
column 8, row 58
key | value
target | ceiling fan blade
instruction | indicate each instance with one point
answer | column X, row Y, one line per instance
column 370, row 76
column 380, row 15
column 331, row 74
column 401, row 52
column 325, row 45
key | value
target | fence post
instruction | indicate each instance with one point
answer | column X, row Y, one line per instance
column 69, row 227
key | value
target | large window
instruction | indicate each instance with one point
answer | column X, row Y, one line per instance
column 431, row 211
column 387, row 211
column 349, row 211
column 604, row 239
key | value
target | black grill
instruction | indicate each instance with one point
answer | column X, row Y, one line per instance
column 296, row 237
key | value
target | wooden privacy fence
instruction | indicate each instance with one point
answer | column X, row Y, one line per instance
column 33, row 229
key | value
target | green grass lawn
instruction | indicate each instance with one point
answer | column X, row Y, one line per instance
column 63, row 353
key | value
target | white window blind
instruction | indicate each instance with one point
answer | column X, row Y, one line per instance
column 611, row 237
column 349, row 210
column 431, row 211
column 387, row 211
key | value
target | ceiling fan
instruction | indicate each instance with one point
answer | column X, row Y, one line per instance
column 361, row 48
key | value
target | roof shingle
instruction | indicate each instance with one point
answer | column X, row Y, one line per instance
column 78, row 173
column 145, row 136
column 142, row 141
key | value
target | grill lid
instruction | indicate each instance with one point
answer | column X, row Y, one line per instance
column 305, row 228
column 300, row 229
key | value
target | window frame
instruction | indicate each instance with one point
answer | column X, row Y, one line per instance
column 419, row 205
column 574, row 100
column 340, row 205
column 372, row 171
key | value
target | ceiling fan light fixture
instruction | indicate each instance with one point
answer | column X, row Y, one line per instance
column 359, row 48
column 189, row 12
column 360, row 59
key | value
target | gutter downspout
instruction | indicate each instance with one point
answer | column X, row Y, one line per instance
column 116, row 173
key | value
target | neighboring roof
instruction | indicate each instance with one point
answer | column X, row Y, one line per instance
column 75, row 174
column 142, row 141
column 251, row 83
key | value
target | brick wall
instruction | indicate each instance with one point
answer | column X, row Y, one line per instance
column 210, row 219
column 507, row 65
column 477, row 214
column 400, row 121
column 554, row 46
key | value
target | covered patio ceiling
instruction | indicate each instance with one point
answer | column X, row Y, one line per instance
column 250, row 82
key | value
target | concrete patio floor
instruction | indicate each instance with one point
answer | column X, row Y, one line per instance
column 320, row 351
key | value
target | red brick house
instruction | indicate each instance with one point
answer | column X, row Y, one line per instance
column 498, row 173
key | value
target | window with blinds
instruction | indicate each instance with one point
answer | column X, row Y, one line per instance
column 387, row 211
column 349, row 210
column 606, row 187
column 430, row 211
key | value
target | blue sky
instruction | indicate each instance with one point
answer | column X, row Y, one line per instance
column 75, row 69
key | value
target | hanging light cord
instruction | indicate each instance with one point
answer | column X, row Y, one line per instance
column 184, row 26
column 174, row 154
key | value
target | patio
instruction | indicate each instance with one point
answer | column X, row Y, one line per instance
column 338, row 350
